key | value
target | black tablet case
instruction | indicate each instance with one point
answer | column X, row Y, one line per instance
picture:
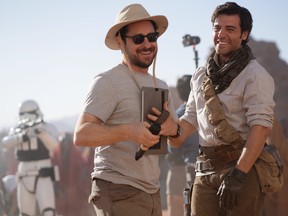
column 154, row 97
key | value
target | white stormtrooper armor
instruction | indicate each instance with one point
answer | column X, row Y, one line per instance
column 32, row 139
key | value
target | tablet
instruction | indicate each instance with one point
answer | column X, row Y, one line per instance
column 154, row 97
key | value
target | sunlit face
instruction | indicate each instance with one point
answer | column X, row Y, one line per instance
column 227, row 35
column 140, row 56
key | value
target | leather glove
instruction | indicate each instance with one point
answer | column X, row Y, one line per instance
column 230, row 188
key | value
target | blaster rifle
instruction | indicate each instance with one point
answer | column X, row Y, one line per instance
column 27, row 123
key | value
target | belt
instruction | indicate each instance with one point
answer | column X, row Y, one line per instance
column 214, row 159
column 215, row 152
column 43, row 172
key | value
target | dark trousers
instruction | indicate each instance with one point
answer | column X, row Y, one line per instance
column 205, row 202
column 123, row 200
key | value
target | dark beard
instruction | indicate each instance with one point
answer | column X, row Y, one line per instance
column 135, row 61
column 138, row 63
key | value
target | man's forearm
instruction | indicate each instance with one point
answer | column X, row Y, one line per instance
column 186, row 130
column 253, row 147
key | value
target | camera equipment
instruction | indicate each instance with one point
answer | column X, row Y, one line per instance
column 189, row 40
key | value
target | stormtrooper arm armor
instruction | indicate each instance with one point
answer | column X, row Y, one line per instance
column 12, row 140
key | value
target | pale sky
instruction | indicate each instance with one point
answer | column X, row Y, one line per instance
column 51, row 49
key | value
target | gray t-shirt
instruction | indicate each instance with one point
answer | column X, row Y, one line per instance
column 115, row 98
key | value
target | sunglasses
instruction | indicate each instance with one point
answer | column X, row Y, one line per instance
column 139, row 38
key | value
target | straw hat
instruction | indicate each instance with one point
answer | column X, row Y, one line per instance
column 130, row 14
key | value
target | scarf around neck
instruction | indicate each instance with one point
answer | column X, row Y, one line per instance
column 222, row 76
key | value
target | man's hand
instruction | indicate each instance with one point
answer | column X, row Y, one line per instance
column 167, row 126
column 155, row 129
column 230, row 188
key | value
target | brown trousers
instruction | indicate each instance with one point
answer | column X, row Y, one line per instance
column 123, row 200
column 205, row 202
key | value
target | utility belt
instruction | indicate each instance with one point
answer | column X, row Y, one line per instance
column 217, row 158
column 52, row 172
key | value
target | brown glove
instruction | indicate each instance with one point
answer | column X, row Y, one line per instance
column 230, row 188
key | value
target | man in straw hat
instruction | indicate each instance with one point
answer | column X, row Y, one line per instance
column 111, row 120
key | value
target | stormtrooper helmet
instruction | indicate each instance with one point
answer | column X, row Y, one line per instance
column 29, row 109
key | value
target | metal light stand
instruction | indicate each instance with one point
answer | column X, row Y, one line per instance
column 189, row 40
column 196, row 56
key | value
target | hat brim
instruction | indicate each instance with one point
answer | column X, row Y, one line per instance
column 110, row 39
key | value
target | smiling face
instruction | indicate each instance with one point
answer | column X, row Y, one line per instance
column 140, row 56
column 227, row 36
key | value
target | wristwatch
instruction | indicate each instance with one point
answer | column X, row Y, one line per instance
column 178, row 133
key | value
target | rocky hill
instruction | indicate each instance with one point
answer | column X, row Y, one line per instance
column 267, row 54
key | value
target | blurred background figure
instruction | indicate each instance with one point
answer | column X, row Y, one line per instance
column 8, row 203
column 181, row 161
column 33, row 140
column 71, row 190
column 8, row 183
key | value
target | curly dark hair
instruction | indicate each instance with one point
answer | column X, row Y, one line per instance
column 231, row 8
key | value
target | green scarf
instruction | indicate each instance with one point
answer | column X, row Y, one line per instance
column 221, row 77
